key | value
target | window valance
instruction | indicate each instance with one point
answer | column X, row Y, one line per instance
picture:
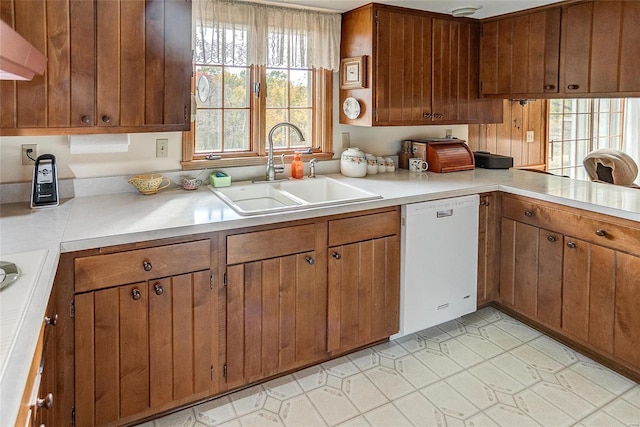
column 241, row 33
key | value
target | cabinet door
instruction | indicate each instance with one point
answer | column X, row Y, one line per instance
column 276, row 316
column 403, row 68
column 521, row 55
column 488, row 250
column 364, row 292
column 531, row 271
column 588, row 292
column 627, row 314
column 180, row 338
column 111, row 348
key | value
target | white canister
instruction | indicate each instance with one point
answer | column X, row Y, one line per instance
column 353, row 163
column 372, row 164
column 382, row 166
column 391, row 166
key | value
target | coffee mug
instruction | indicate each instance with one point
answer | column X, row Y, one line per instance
column 189, row 183
column 418, row 165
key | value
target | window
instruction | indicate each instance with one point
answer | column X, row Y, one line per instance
column 256, row 66
column 579, row 126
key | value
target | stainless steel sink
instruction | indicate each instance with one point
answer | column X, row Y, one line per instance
column 254, row 199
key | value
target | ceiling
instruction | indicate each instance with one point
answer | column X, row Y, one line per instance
column 489, row 7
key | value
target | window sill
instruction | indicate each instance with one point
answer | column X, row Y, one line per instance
column 247, row 161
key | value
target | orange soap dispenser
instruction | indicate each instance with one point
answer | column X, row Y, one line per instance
column 297, row 167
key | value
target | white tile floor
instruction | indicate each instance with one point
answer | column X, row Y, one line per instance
column 484, row 369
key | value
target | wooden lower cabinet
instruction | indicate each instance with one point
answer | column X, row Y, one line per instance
column 142, row 347
column 276, row 316
column 584, row 289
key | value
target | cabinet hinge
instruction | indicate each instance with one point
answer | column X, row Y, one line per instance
column 185, row 112
column 375, row 18
column 73, row 415
column 224, row 370
column 481, row 86
column 211, row 282
column 224, row 284
column 256, row 88
column 211, row 372
column 72, row 309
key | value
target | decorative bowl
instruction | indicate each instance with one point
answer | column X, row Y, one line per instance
column 149, row 183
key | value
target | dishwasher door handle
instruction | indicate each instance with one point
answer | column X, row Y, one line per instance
column 444, row 214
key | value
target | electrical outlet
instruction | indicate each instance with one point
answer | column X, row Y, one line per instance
column 530, row 136
column 29, row 154
column 346, row 140
column 162, row 147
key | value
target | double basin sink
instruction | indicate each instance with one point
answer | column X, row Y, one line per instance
column 248, row 198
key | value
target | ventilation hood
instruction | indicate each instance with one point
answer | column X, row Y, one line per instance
column 19, row 60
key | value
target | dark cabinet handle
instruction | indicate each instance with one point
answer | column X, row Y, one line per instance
column 51, row 321
column 573, row 87
column 158, row 289
column 528, row 213
column 85, row 119
column 147, row 266
column 572, row 245
column 600, row 232
column 551, row 238
column 426, row 115
column 106, row 119
column 136, row 294
column 549, row 87
column 46, row 403
column 438, row 116
column 336, row 255
column 310, row 260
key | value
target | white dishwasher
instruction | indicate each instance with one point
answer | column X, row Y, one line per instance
column 439, row 262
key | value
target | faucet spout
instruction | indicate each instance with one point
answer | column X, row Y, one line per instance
column 272, row 169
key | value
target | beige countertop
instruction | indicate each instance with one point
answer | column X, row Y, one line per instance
column 111, row 219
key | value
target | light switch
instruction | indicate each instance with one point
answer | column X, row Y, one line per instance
column 530, row 136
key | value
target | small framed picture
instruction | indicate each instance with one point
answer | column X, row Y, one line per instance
column 353, row 72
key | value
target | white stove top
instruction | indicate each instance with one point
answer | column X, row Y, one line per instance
column 15, row 298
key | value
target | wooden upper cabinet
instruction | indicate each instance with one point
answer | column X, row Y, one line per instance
column 422, row 68
column 113, row 66
column 600, row 48
column 521, row 54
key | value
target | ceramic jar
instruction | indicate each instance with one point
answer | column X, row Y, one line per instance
column 353, row 163
column 382, row 165
column 372, row 164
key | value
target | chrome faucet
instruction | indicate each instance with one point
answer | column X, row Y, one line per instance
column 272, row 169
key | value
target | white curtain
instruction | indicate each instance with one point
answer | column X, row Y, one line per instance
column 240, row 33
column 631, row 142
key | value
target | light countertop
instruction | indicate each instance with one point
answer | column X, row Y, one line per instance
column 112, row 219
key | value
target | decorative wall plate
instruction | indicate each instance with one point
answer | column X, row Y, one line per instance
column 351, row 108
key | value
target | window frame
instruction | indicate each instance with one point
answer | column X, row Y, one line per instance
column 594, row 117
column 322, row 124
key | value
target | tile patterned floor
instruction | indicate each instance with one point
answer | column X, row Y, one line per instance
column 484, row 369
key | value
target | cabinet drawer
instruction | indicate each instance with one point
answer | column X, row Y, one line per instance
column 593, row 228
column 267, row 244
column 364, row 227
column 103, row 271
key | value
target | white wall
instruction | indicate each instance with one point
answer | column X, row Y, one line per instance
column 141, row 157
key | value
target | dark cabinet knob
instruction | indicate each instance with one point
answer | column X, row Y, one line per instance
column 158, row 289
column 147, row 266
column 336, row 255
column 310, row 260
column 426, row 115
column 572, row 245
column 601, row 233
column 106, row 119
column 528, row 213
column 551, row 238
column 438, row 116
column 573, row 87
column 46, row 403
column 51, row 321
column 549, row 87
column 85, row 119
column 136, row 294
